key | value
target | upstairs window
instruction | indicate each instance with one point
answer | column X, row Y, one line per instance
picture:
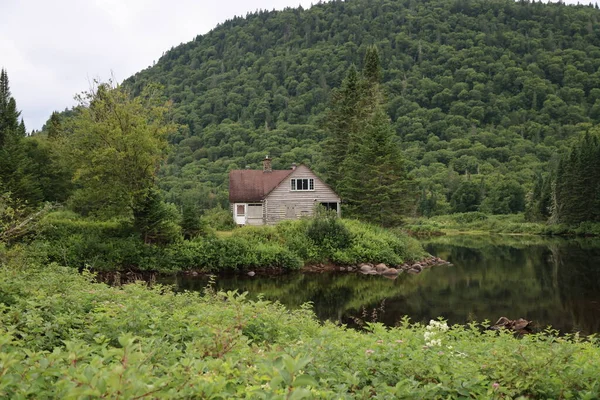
column 303, row 184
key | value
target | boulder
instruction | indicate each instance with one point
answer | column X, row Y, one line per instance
column 366, row 268
column 251, row 273
column 381, row 267
column 413, row 271
column 390, row 271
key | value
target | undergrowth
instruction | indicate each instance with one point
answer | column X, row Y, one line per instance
column 73, row 241
column 64, row 336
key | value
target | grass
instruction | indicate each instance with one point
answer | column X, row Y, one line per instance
column 479, row 223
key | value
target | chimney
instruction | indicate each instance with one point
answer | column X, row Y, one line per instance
column 267, row 164
column 293, row 166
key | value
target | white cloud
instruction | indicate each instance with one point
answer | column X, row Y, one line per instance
column 52, row 49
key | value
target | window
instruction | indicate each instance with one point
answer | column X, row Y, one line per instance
column 303, row 184
column 240, row 210
column 330, row 206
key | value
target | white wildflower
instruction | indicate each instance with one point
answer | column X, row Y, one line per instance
column 433, row 333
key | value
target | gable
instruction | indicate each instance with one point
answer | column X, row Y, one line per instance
column 321, row 193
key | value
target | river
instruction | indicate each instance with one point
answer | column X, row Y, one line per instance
column 551, row 282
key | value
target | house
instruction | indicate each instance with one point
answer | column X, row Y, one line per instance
column 269, row 196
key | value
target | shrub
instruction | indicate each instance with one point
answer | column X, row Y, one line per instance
column 470, row 217
column 219, row 219
column 328, row 233
column 114, row 245
column 62, row 336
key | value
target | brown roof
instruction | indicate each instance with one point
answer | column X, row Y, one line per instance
column 247, row 185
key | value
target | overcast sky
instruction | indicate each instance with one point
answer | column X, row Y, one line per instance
column 52, row 49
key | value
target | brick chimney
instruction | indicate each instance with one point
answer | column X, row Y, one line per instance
column 267, row 164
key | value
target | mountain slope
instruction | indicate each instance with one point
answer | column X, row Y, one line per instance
column 486, row 90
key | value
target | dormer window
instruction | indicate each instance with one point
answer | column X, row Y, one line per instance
column 302, row 184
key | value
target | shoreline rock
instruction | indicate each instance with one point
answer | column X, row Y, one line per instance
column 380, row 268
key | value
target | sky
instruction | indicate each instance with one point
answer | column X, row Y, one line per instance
column 53, row 49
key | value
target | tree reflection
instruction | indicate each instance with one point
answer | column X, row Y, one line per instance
column 550, row 282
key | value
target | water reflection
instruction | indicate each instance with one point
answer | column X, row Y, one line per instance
column 551, row 282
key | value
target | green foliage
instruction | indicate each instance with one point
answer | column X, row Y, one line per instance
column 328, row 232
column 367, row 167
column 484, row 223
column 115, row 147
column 466, row 198
column 577, row 187
column 155, row 220
column 116, row 245
column 192, row 225
column 507, row 197
column 29, row 167
column 16, row 220
column 489, row 88
column 62, row 336
column 219, row 218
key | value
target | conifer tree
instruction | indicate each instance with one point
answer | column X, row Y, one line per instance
column 372, row 68
column 340, row 123
column 54, row 126
column 365, row 164
column 577, row 187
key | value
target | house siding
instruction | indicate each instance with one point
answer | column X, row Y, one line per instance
column 283, row 203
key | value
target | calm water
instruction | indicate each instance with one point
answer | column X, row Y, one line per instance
column 551, row 282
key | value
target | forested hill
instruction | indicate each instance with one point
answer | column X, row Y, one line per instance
column 479, row 90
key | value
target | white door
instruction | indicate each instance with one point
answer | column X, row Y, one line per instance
column 240, row 213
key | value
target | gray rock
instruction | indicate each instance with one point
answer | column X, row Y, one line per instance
column 366, row 268
column 350, row 269
column 251, row 273
column 390, row 271
column 413, row 271
column 342, row 268
column 381, row 267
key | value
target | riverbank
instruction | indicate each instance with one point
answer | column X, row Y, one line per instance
column 63, row 336
column 479, row 223
column 113, row 246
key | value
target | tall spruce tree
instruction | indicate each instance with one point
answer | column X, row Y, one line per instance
column 366, row 164
column 9, row 115
column 577, row 187
column 341, row 123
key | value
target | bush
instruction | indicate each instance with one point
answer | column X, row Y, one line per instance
column 114, row 245
column 219, row 219
column 62, row 336
column 328, row 233
column 467, row 218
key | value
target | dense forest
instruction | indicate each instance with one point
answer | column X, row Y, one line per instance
column 483, row 95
